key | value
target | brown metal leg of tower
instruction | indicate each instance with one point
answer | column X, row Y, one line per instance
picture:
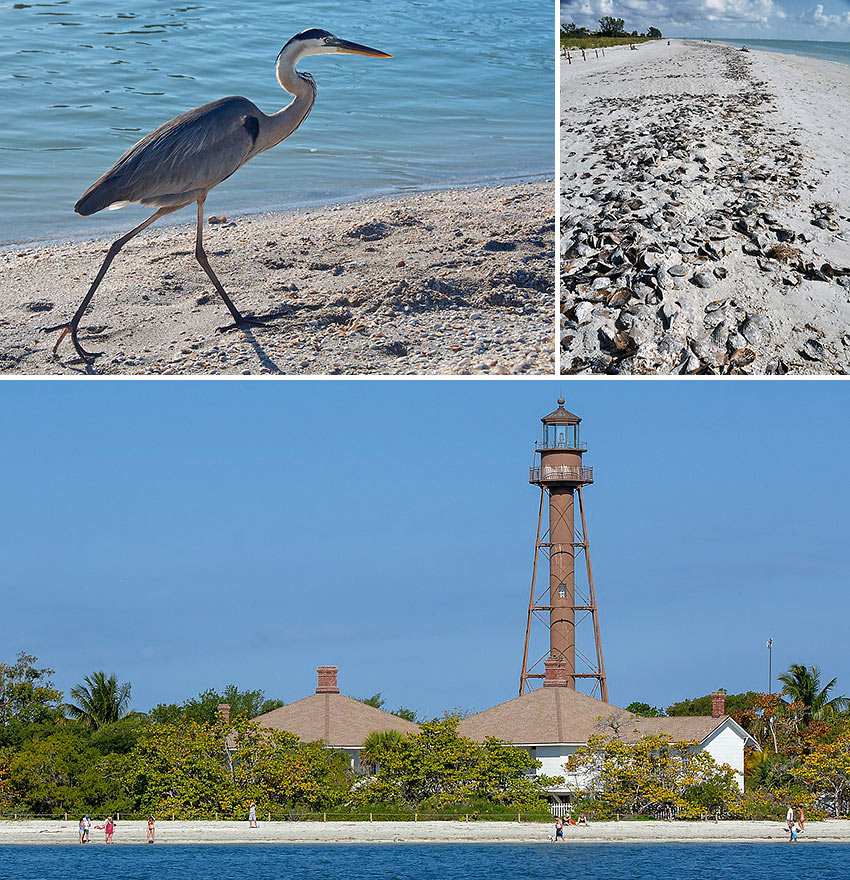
column 524, row 674
column 600, row 661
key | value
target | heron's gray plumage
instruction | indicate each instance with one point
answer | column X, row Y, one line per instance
column 194, row 151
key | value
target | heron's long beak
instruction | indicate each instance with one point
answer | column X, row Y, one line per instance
column 343, row 46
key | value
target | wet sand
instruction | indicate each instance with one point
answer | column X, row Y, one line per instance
column 59, row 832
column 705, row 212
column 452, row 282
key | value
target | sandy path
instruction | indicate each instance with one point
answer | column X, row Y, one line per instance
column 705, row 212
column 58, row 832
column 460, row 281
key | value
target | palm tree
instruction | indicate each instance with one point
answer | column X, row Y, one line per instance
column 100, row 700
column 377, row 745
column 802, row 685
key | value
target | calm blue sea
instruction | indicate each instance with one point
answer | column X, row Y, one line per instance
column 468, row 97
column 830, row 51
column 778, row 861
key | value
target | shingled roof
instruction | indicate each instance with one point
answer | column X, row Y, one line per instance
column 561, row 715
column 334, row 719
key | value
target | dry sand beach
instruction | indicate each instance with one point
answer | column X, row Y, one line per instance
column 459, row 281
column 58, row 832
column 705, row 212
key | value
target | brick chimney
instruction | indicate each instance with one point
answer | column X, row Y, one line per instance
column 327, row 680
column 718, row 703
column 223, row 710
column 556, row 673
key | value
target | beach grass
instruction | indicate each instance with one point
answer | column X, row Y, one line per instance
column 598, row 42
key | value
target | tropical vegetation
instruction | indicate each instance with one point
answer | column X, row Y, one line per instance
column 93, row 754
column 611, row 32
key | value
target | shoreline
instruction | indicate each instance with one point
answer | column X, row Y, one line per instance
column 128, row 833
column 725, row 176
column 170, row 221
column 457, row 281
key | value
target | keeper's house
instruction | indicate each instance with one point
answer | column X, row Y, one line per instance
column 334, row 719
column 552, row 722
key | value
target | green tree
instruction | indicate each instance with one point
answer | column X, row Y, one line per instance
column 179, row 768
column 645, row 710
column 826, row 771
column 735, row 704
column 612, row 27
column 573, row 30
column 62, row 772
column 203, row 709
column 407, row 714
column 376, row 746
column 654, row 34
column 436, row 769
column 99, row 700
column 653, row 776
column 27, row 695
column 803, row 686
column 375, row 700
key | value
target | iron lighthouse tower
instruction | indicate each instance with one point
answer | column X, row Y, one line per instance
column 561, row 603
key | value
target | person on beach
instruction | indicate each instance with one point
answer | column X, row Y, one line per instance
column 109, row 828
column 559, row 829
column 252, row 815
column 82, row 829
column 86, row 828
column 789, row 819
column 582, row 819
column 150, row 829
column 793, row 836
column 801, row 818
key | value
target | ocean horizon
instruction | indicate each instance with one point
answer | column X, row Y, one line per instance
column 828, row 50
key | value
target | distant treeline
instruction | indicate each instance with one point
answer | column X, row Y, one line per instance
column 611, row 32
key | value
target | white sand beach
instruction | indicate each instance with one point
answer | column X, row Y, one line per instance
column 705, row 212
column 457, row 281
column 168, row 832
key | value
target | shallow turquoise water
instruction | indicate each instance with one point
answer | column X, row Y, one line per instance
column 468, row 97
column 778, row 861
column 826, row 49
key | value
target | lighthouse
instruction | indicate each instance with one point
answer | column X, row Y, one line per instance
column 560, row 474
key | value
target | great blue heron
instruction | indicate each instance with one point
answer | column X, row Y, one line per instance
column 182, row 160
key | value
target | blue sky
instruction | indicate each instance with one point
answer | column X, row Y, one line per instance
column 188, row 534
column 754, row 19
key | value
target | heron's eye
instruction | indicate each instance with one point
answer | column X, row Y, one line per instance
column 327, row 40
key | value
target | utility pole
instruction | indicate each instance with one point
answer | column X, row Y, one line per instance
column 769, row 666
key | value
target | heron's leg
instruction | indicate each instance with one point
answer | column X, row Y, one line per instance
column 71, row 326
column 239, row 320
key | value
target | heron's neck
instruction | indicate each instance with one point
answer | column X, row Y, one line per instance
column 302, row 86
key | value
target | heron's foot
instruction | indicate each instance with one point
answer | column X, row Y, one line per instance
column 71, row 327
column 245, row 322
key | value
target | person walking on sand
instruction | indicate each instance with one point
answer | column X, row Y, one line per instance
column 789, row 819
column 559, row 829
column 252, row 815
column 109, row 828
column 150, row 829
column 802, row 819
column 82, row 829
column 86, row 828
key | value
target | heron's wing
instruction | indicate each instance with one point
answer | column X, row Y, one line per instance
column 191, row 153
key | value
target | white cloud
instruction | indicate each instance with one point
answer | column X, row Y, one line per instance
column 819, row 18
column 675, row 14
